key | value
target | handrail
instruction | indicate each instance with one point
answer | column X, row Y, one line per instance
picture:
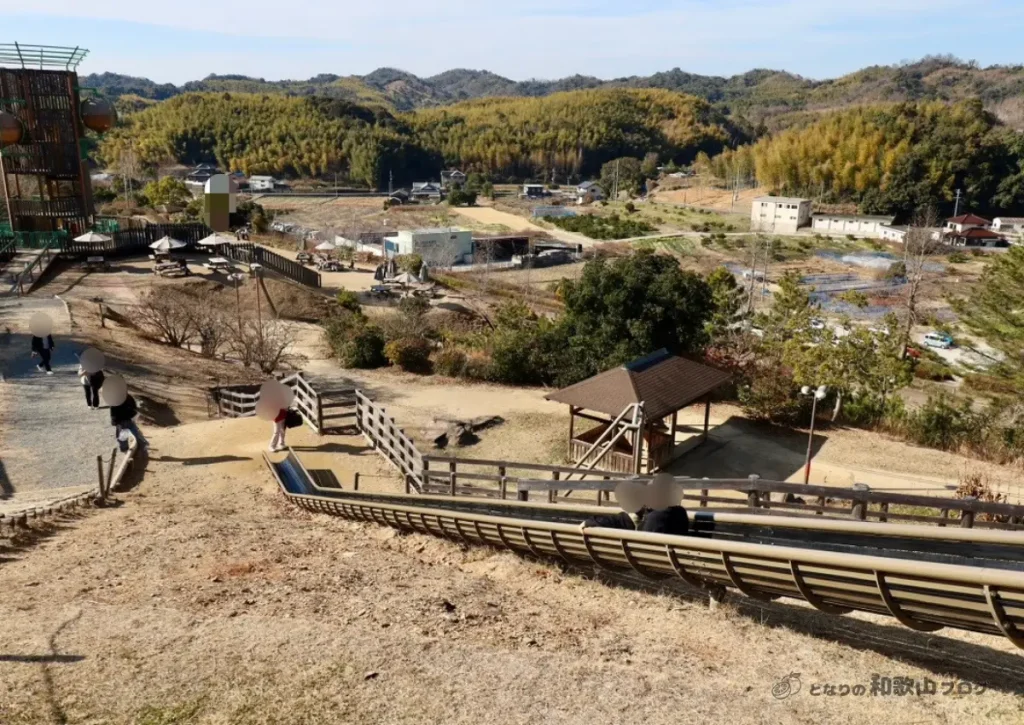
column 43, row 257
column 926, row 594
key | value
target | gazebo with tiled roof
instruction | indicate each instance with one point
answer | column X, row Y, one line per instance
column 664, row 384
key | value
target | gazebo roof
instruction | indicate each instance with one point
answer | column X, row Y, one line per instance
column 663, row 382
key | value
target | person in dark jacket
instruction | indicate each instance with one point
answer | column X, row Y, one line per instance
column 43, row 347
column 122, row 417
column 653, row 509
column 91, row 383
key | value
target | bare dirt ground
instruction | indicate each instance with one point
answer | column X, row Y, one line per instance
column 708, row 197
column 205, row 598
column 491, row 217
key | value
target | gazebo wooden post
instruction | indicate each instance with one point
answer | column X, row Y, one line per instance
column 707, row 418
column 572, row 426
column 674, row 427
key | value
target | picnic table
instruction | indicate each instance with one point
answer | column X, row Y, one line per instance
column 381, row 291
column 219, row 264
column 329, row 265
column 172, row 269
column 95, row 262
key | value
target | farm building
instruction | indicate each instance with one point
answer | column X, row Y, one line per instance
column 779, row 214
column 262, row 183
column 589, row 189
column 889, row 233
column 857, row 225
column 447, row 245
column 533, row 191
column 452, row 177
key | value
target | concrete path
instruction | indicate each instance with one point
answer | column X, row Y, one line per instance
column 49, row 439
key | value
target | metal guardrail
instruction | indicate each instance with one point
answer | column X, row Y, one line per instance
column 860, row 502
column 924, row 596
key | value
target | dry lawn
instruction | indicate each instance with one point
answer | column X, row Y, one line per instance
column 205, row 598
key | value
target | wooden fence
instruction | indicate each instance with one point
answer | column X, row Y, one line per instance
column 774, row 497
column 441, row 474
column 253, row 254
column 239, row 401
column 384, row 435
column 134, row 237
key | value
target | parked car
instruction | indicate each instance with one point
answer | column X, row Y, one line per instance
column 939, row 340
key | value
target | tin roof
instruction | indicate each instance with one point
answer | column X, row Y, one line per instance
column 663, row 382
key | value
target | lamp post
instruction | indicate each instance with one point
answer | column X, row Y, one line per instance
column 817, row 395
column 237, row 278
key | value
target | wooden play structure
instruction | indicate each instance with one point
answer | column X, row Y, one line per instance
column 636, row 411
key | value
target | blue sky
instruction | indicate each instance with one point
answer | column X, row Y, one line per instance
column 275, row 39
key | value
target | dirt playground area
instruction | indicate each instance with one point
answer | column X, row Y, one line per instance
column 201, row 597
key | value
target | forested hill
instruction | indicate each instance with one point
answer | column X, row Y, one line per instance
column 757, row 95
column 891, row 159
column 573, row 133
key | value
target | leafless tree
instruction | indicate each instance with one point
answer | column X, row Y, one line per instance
column 169, row 315
column 442, row 255
column 265, row 347
column 919, row 245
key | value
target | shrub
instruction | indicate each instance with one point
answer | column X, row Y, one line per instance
column 414, row 306
column 478, row 366
column 943, row 423
column 928, row 370
column 457, row 197
column 348, row 300
column 410, row 263
column 958, row 258
column 450, row 362
column 411, row 354
column 772, row 396
column 630, row 207
column 354, row 341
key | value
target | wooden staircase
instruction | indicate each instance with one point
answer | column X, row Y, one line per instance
column 20, row 273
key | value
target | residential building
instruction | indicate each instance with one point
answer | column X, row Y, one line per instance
column 964, row 222
column 262, row 183
column 438, row 247
column 1013, row 226
column 201, row 174
column 857, row 225
column 427, row 191
column 779, row 214
column 452, row 177
column 890, row 233
column 973, row 237
column 589, row 189
column 532, row 191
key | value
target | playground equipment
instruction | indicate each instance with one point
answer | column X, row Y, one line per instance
column 924, row 578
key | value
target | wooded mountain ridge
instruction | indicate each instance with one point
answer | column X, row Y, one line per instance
column 758, row 96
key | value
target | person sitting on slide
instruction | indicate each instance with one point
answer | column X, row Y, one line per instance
column 653, row 508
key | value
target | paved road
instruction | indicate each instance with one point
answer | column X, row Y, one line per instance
column 49, row 439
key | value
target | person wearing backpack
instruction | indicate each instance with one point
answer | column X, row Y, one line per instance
column 122, row 417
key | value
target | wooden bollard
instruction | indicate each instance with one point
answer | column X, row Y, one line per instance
column 355, row 482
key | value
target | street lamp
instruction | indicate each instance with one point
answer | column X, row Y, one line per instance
column 818, row 394
column 237, row 278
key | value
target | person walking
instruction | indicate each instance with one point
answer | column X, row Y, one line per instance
column 91, row 383
column 122, row 417
column 43, row 347
column 277, row 440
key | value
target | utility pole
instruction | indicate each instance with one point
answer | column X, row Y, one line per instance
column 335, row 184
column 753, row 275
column 956, row 208
column 615, row 186
column 391, row 182
column 767, row 257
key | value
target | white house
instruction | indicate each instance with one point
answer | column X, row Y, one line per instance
column 1012, row 226
column 889, row 233
column 261, row 183
column 532, row 191
column 779, row 214
column 452, row 177
column 857, row 225
column 591, row 189
column 441, row 246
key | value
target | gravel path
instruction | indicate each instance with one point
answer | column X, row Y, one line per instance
column 49, row 439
